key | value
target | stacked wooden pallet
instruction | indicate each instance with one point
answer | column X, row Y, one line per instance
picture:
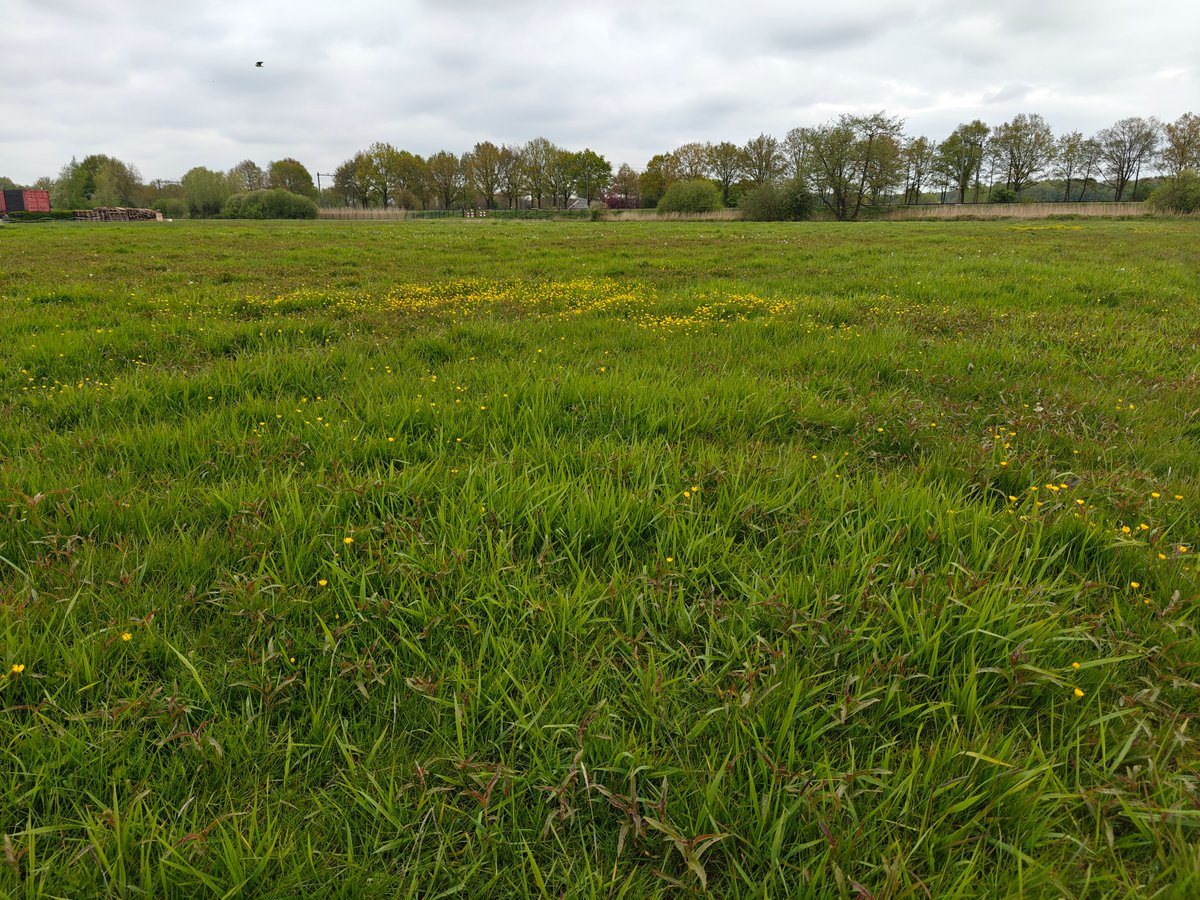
column 117, row 214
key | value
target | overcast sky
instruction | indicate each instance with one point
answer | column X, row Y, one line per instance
column 171, row 84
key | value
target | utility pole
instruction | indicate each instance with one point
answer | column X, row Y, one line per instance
column 319, row 174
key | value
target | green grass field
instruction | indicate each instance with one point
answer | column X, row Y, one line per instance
column 578, row 559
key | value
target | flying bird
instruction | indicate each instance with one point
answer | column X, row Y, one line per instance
column 259, row 64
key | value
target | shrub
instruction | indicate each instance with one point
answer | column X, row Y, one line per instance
column 51, row 216
column 171, row 207
column 697, row 196
column 1180, row 194
column 270, row 204
column 775, row 202
column 1003, row 194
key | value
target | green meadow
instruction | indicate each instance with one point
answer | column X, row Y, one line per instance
column 600, row 559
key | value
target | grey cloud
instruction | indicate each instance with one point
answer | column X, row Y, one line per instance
column 169, row 86
column 1007, row 93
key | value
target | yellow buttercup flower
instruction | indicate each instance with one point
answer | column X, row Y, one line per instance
column 347, row 541
column 126, row 636
column 18, row 668
column 1078, row 692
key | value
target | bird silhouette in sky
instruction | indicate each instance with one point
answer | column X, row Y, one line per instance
column 259, row 64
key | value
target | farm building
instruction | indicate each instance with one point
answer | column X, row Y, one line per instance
column 24, row 201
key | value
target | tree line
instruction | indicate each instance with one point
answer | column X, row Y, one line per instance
column 848, row 165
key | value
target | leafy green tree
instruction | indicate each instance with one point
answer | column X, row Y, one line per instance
column 960, row 156
column 352, row 181
column 1178, row 193
column 855, row 161
column 660, row 173
column 692, row 160
column 696, row 196
column 206, row 191
column 170, row 207
column 777, row 201
column 1089, row 165
column 591, row 174
column 98, row 180
column 919, row 158
column 762, row 159
column 1124, row 148
column 536, row 158
column 1069, row 159
column 411, row 180
column 291, row 175
column 796, row 144
column 882, row 157
column 379, row 165
column 482, row 172
column 275, row 203
column 248, row 176
column 72, row 189
column 7, row 184
column 511, row 176
column 623, row 192
column 1024, row 147
column 1181, row 144
column 166, row 197
column 562, row 176
column 446, row 178
column 725, row 162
